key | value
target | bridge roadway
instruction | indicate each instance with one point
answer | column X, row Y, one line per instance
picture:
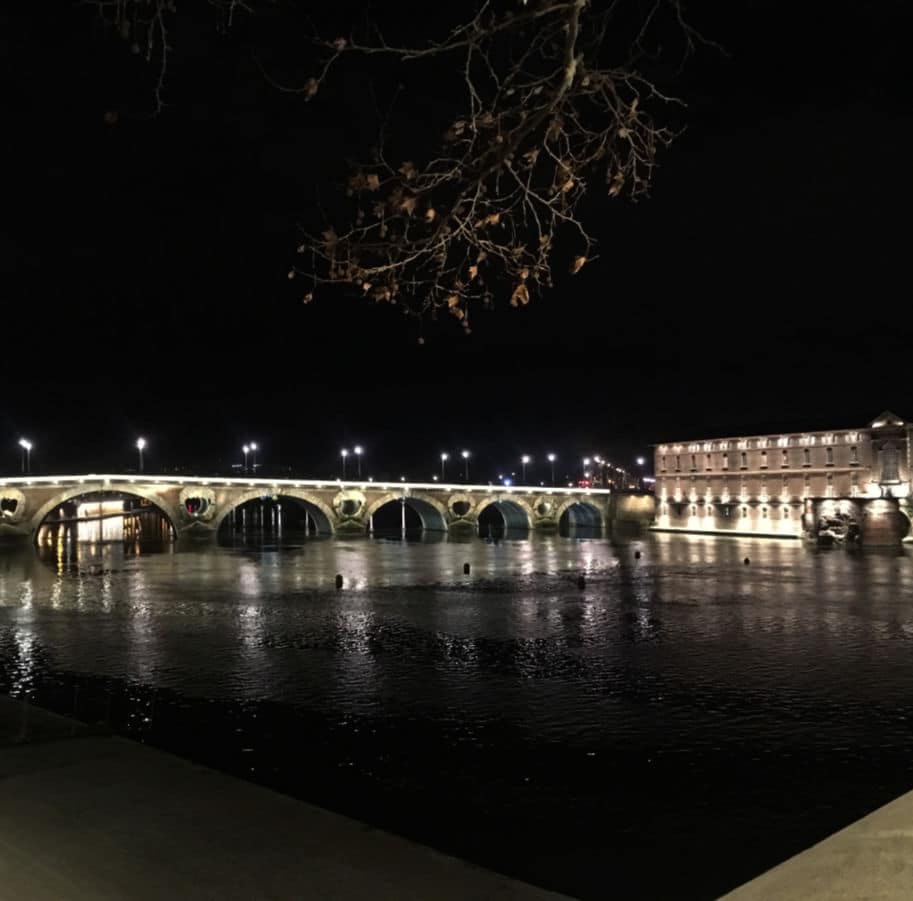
column 197, row 506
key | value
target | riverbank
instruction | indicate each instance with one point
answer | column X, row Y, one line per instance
column 871, row 858
column 86, row 815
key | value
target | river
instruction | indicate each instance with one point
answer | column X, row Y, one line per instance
column 676, row 725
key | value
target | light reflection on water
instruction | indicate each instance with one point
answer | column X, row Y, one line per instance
column 728, row 713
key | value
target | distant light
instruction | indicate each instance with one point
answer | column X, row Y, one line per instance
column 524, row 458
column 586, row 461
column 640, row 461
column 25, row 444
column 246, row 448
column 141, row 443
column 434, row 478
column 507, row 482
column 253, row 445
column 445, row 456
column 358, row 448
column 465, row 455
column 344, row 452
column 551, row 458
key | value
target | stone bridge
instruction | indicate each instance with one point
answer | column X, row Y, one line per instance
column 197, row 507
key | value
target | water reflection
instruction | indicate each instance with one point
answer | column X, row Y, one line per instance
column 676, row 694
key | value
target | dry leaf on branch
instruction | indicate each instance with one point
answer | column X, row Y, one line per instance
column 520, row 295
column 577, row 265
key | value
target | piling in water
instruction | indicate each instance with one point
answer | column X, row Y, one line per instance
column 338, row 580
column 465, row 569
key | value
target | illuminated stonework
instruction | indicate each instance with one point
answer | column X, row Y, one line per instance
column 759, row 483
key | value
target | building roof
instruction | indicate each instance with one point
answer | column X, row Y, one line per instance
column 886, row 418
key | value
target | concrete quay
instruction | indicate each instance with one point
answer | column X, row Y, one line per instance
column 871, row 859
column 85, row 815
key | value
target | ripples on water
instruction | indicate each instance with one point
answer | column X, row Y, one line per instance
column 676, row 726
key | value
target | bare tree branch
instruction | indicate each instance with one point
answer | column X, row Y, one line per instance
column 544, row 117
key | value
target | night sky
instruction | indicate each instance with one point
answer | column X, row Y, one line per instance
column 763, row 285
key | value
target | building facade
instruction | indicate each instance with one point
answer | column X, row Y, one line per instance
column 784, row 484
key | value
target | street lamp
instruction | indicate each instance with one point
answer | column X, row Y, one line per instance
column 444, row 458
column 246, row 451
column 523, row 461
column 344, row 453
column 253, row 450
column 359, row 450
column 465, row 456
column 640, row 476
column 26, row 455
column 140, row 446
column 551, row 460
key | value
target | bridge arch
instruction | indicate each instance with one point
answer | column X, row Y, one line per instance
column 515, row 512
column 431, row 512
column 580, row 513
column 319, row 511
column 79, row 491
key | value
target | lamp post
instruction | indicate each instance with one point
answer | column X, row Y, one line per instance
column 140, row 446
column 344, row 453
column 253, row 450
column 26, row 455
column 465, row 456
column 359, row 450
column 444, row 458
column 586, row 463
column 245, row 450
column 551, row 460
column 523, row 461
column 640, row 473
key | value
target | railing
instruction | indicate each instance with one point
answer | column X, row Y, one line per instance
column 253, row 482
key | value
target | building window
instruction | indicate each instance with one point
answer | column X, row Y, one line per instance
column 678, row 463
column 709, row 462
column 806, row 457
column 744, row 458
column 725, row 510
column 786, row 512
column 744, row 512
column 693, row 462
column 694, row 511
column 663, row 463
column 889, row 460
column 784, row 458
column 764, row 459
column 725, row 461
column 854, row 456
column 806, row 488
column 764, row 512
column 829, row 456
column 830, row 485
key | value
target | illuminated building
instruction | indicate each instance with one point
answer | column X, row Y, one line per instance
column 762, row 484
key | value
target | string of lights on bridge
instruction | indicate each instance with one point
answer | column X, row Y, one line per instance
column 596, row 470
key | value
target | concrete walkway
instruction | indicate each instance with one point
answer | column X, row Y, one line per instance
column 86, row 816
column 870, row 859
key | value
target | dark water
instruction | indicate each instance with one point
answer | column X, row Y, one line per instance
column 678, row 725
